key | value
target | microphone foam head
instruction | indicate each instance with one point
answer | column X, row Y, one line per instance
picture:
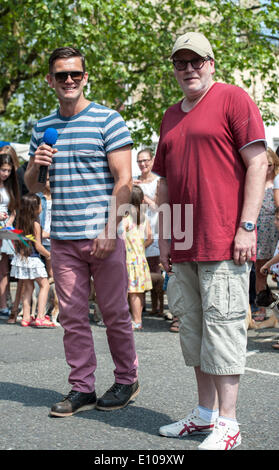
column 50, row 136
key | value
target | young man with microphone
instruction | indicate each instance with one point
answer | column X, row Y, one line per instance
column 90, row 172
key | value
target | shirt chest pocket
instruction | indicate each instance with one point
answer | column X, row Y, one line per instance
column 90, row 160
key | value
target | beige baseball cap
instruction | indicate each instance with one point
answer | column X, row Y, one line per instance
column 195, row 42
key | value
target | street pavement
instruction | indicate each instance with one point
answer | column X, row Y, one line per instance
column 34, row 375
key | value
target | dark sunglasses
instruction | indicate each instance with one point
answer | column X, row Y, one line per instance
column 61, row 77
column 197, row 63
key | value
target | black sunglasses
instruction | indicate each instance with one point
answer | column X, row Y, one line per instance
column 61, row 77
column 197, row 63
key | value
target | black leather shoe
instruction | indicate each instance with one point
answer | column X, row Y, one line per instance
column 74, row 403
column 118, row 396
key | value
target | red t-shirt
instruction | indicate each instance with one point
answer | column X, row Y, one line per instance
column 198, row 153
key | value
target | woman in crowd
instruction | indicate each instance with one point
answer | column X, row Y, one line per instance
column 148, row 182
column 267, row 234
column 9, row 204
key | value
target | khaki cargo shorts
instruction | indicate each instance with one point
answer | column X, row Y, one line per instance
column 213, row 332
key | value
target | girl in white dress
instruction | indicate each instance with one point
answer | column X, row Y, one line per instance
column 27, row 263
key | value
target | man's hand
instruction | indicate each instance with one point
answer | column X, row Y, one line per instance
column 3, row 215
column 164, row 247
column 264, row 270
column 44, row 154
column 42, row 157
column 103, row 246
column 245, row 246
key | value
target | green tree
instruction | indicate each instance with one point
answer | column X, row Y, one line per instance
column 127, row 45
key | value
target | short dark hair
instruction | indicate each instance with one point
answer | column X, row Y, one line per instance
column 65, row 53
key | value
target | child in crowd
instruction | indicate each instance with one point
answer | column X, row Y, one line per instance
column 45, row 221
column 9, row 150
column 272, row 265
column 137, row 235
column 9, row 203
column 27, row 263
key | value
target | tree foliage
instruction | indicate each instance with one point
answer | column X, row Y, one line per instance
column 127, row 44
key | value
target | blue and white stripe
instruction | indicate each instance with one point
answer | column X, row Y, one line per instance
column 80, row 178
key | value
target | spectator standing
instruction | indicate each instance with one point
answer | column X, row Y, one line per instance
column 267, row 234
column 148, row 182
column 272, row 265
column 138, row 236
column 9, row 203
column 9, row 150
column 45, row 221
column 27, row 264
column 20, row 170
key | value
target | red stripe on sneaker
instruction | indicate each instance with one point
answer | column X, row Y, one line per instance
column 230, row 443
column 194, row 428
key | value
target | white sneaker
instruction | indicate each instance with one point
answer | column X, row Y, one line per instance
column 223, row 437
column 192, row 424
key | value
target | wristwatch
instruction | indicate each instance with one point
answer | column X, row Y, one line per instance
column 248, row 226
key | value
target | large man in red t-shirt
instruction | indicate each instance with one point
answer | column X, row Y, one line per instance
column 211, row 157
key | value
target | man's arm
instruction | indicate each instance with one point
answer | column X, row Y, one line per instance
column 162, row 198
column 255, row 159
column 120, row 167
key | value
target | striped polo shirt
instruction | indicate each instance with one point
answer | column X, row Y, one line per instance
column 80, row 179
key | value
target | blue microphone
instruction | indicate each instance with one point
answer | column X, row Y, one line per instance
column 49, row 138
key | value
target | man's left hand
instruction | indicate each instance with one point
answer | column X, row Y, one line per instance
column 245, row 246
column 102, row 246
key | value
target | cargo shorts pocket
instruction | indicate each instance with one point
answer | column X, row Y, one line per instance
column 224, row 296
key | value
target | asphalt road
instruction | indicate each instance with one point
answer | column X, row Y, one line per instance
column 34, row 375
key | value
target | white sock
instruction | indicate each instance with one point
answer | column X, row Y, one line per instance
column 207, row 414
column 228, row 421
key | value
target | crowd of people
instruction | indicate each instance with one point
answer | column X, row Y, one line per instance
column 31, row 262
column 25, row 262
column 145, row 272
column 206, row 158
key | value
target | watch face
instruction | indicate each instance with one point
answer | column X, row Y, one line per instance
column 249, row 226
